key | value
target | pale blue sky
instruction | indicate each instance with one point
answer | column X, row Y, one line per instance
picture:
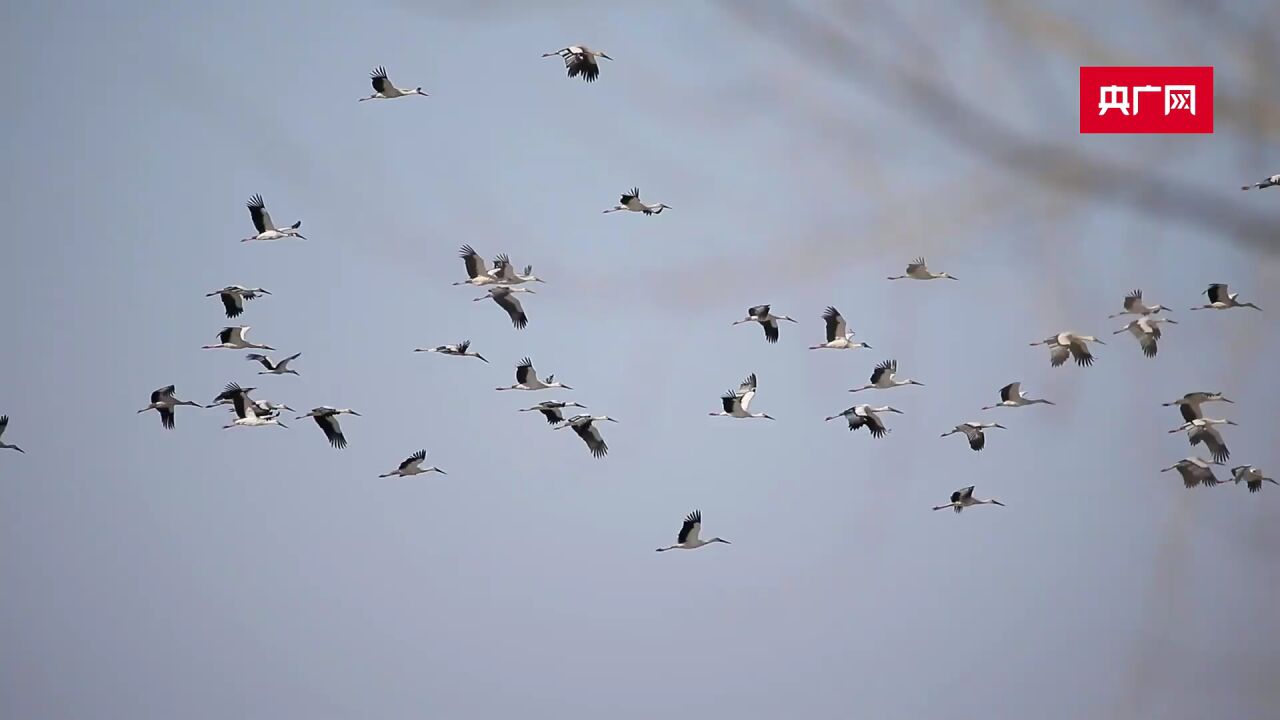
column 260, row 574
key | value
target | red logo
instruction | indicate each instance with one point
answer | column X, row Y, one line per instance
column 1146, row 99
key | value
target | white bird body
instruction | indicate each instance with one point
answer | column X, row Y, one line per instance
column 551, row 409
column 688, row 538
column 327, row 418
column 885, row 376
column 1202, row 430
column 580, row 60
column 527, row 379
column 1195, row 471
column 1072, row 344
column 233, row 338
column 1133, row 305
column 768, row 321
column 918, row 270
column 973, row 432
column 233, row 297
column 461, row 349
column 839, row 336
column 412, row 465
column 1147, row 330
column 4, row 423
column 1189, row 404
column 478, row 272
column 584, row 425
column 1011, row 395
column 267, row 229
column 964, row 498
column 505, row 273
column 384, row 90
column 1220, row 298
column 164, row 401
column 274, row 368
column 737, row 403
column 630, row 201
column 867, row 416
column 247, row 411
column 1251, row 476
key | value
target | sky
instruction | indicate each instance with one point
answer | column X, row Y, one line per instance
column 258, row 573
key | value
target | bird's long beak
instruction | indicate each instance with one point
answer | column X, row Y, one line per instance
column 1233, row 402
column 997, row 502
column 441, row 471
column 833, row 417
column 606, row 57
column 566, row 387
column 612, row 420
column 353, row 412
column 1100, row 342
column 952, row 277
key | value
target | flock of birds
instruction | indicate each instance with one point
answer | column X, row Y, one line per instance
column 503, row 282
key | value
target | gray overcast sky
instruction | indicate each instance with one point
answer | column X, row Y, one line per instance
column 260, row 574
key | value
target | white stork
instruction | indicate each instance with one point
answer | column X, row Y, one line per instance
column 1133, row 305
column 1147, row 330
column 1269, row 182
column 688, row 538
column 233, row 297
column 1189, row 404
column 527, row 379
column 266, row 229
column 505, row 273
column 1221, row 299
column 163, row 400
column 4, row 423
column 1011, row 395
column 232, row 338
column 327, row 418
column 737, row 403
column 973, row 431
column 1195, row 471
column 1069, row 343
column 551, row 409
column 839, row 336
column 884, row 377
column 630, row 201
column 866, row 416
column 248, row 413
column 964, row 498
column 1202, row 430
column 580, row 60
column 768, row 321
column 584, row 425
column 384, row 90
column 918, row 270
column 462, row 349
column 1251, row 476
column 412, row 465
column 274, row 368
column 505, row 298
column 478, row 273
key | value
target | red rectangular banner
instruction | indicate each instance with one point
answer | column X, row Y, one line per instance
column 1146, row 99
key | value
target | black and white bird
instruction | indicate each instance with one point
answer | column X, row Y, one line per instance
column 527, row 379
column 1011, row 395
column 1066, row 344
column 1202, row 430
column 164, row 402
column 478, row 272
column 1133, row 305
column 233, row 338
column 737, row 403
column 630, row 201
column 918, row 270
column 1249, row 475
column 973, row 431
column 839, row 336
column 412, row 465
column 248, row 412
column 1189, row 404
column 688, row 538
column 580, row 60
column 552, row 409
column 266, row 229
column 506, row 299
column 768, row 321
column 1221, row 299
column 868, row 417
column 4, row 423
column 1147, row 330
column 884, row 377
column 461, row 349
column 1269, row 182
column 384, row 90
column 274, row 368
column 505, row 273
column 327, row 418
column 964, row 498
column 233, row 297
column 1194, row 472
column 584, row 425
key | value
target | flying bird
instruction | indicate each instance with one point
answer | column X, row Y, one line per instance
column 1221, row 299
column 1269, row 182
column 274, row 368
column 233, row 297
column 327, row 418
column 4, row 423
column 1011, row 395
column 1133, row 305
column 868, row 417
column 164, row 402
column 266, row 229
column 964, row 498
column 918, row 270
column 505, row 273
column 551, row 409
column 1069, row 343
column 412, row 465
column 462, row 349
column 584, row 425
column 631, row 201
column 768, row 321
column 580, row 60
column 1195, row 471
column 505, row 298
column 839, row 336
column 1189, row 404
column 737, row 403
column 233, row 338
column 688, row 538
column 1202, row 430
column 973, row 431
column 248, row 413
column 884, row 377
column 1248, row 474
column 527, row 379
column 384, row 90
column 1147, row 330
column 478, row 273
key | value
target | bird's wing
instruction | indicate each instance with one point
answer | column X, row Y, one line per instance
column 955, row 496
column 1133, row 301
column 1080, row 351
column 584, row 65
column 591, row 435
column 413, row 459
column 835, row 323
column 236, row 335
column 1148, row 343
column 875, row 425
column 166, row 417
column 266, row 361
column 240, row 402
column 747, row 385
column 888, row 366
column 511, row 304
column 4, row 422
column 163, row 393
column 730, row 401
column 770, row 330
column 1217, row 292
column 462, row 346
column 289, row 359
column 525, row 371
column 746, row 398
column 1217, row 446
column 1058, row 354
column 757, row 311
column 627, row 196
column 1010, row 391
column 379, row 78
column 966, row 493
column 916, row 265
column 977, row 439
column 553, row 415
column 692, row 525
column 258, row 211
column 329, row 424
column 475, row 264
column 233, row 304
column 1190, row 411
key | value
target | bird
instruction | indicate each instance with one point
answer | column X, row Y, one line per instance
column 229, row 393
column 866, row 416
column 1147, row 330
column 163, row 400
column 327, row 418
column 1221, row 299
column 550, row 409
column 964, row 498
column 1202, row 430
column 580, row 60
column 918, row 270
column 738, row 403
column 1011, row 395
column 1269, row 182
column 584, row 425
column 505, row 298
column 250, row 414
column 459, row 350
column 262, row 221
column 883, row 377
column 688, row 538
column 274, row 368
column 974, row 432
column 232, row 338
column 1248, row 474
column 631, row 201
column 1189, row 404
column 1195, row 471
column 839, row 337
column 4, row 423
column 505, row 273
column 767, row 320
column 478, row 273
column 384, row 90
column 527, row 379
column 412, row 465
column 1069, row 343
column 1133, row 305
column 233, row 297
